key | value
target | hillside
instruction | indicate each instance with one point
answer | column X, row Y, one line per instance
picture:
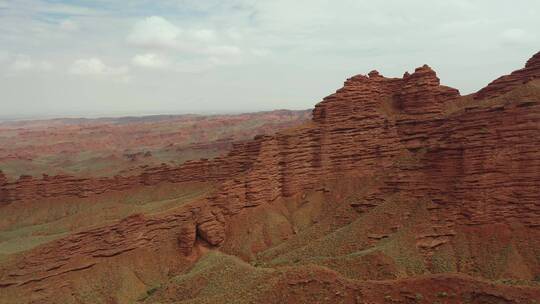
column 399, row 190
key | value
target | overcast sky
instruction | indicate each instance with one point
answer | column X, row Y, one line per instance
column 88, row 58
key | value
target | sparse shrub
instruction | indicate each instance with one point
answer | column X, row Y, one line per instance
column 148, row 293
column 152, row 290
column 442, row 294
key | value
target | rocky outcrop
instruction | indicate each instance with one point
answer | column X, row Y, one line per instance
column 187, row 237
column 422, row 95
column 478, row 164
column 353, row 129
column 3, row 192
column 28, row 188
column 283, row 164
column 84, row 250
column 506, row 83
column 475, row 164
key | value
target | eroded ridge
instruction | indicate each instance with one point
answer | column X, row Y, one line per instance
column 477, row 166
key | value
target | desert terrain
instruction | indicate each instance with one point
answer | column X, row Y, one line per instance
column 393, row 190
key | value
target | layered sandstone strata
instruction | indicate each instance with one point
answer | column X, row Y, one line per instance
column 506, row 83
column 478, row 163
column 28, row 188
column 475, row 160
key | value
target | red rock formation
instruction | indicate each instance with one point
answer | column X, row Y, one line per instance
column 479, row 165
column 28, row 188
column 118, row 141
column 3, row 192
column 422, row 94
column 294, row 159
column 506, row 83
column 3, row 179
column 351, row 132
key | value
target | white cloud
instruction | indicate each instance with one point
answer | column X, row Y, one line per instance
column 202, row 46
column 48, row 7
column 203, row 35
column 223, row 50
column 69, row 25
column 96, row 67
column 304, row 50
column 234, row 34
column 516, row 36
column 158, row 33
column 260, row 52
column 154, row 32
column 45, row 65
column 4, row 56
column 149, row 60
column 24, row 63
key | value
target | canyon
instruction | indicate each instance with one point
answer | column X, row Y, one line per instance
column 105, row 147
column 398, row 190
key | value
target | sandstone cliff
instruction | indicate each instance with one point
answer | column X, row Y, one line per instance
column 473, row 159
column 506, row 83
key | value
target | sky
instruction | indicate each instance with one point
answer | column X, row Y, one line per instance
column 112, row 58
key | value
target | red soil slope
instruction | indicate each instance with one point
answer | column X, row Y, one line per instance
column 454, row 181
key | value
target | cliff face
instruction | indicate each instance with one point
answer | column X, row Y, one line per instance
column 506, row 83
column 478, row 165
column 475, row 161
column 28, row 188
column 351, row 130
column 3, row 191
